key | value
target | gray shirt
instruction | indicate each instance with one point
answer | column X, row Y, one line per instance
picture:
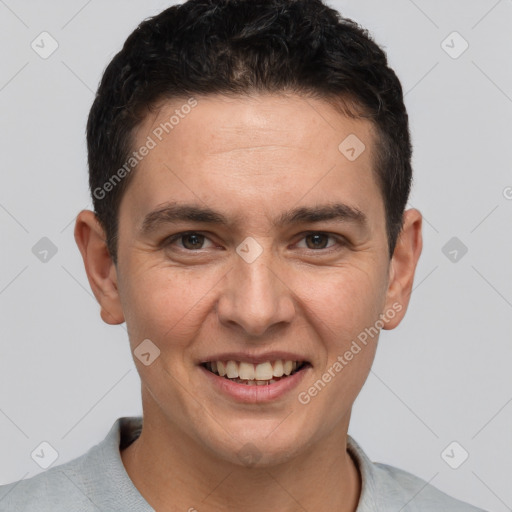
column 97, row 481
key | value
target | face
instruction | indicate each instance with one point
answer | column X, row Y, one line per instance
column 283, row 270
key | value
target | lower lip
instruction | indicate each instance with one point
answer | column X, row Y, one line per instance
column 253, row 393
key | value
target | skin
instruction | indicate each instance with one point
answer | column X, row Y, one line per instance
column 251, row 158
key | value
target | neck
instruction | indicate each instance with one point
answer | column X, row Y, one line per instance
column 173, row 472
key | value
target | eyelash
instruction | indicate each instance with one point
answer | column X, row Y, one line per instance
column 339, row 240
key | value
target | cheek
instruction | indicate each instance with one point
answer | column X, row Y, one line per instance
column 160, row 303
column 344, row 300
column 343, row 308
column 163, row 302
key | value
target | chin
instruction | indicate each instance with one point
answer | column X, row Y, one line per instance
column 258, row 447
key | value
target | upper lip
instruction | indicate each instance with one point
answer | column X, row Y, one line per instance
column 254, row 358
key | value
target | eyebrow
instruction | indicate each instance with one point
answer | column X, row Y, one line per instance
column 174, row 212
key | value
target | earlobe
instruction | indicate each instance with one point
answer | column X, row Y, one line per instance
column 101, row 271
column 402, row 268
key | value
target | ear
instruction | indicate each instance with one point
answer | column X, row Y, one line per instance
column 101, row 270
column 402, row 267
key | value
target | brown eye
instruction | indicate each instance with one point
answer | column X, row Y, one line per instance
column 192, row 241
column 318, row 240
column 188, row 241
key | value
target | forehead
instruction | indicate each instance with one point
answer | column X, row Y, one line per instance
column 261, row 151
column 230, row 123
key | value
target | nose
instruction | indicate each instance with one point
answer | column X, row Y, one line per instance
column 256, row 298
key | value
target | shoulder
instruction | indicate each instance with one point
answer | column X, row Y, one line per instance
column 94, row 481
column 56, row 489
column 388, row 489
column 415, row 494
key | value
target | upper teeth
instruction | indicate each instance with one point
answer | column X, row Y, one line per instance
column 249, row 371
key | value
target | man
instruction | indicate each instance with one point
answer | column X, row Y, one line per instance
column 250, row 166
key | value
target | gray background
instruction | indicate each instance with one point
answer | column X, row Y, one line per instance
column 443, row 375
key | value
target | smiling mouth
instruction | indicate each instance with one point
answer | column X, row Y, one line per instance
column 250, row 374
